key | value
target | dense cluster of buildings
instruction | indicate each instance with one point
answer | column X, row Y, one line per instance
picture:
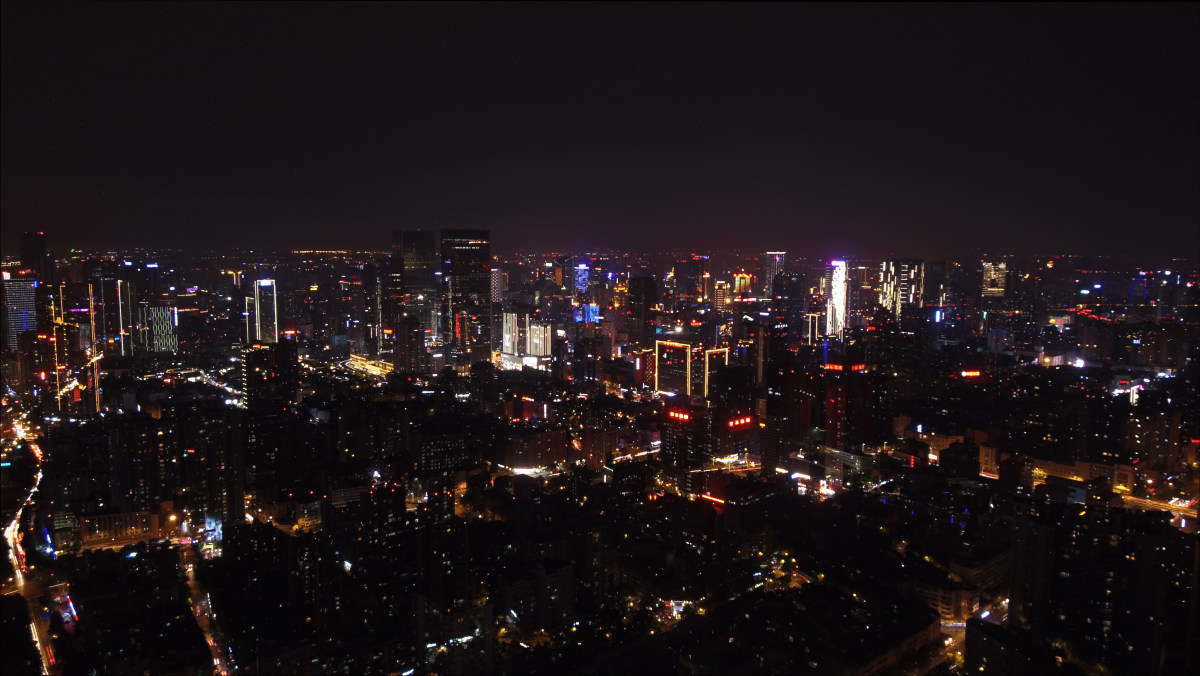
column 437, row 458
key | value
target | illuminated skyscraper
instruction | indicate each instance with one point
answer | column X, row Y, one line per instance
column 157, row 329
column 20, row 308
column 262, row 313
column 835, row 299
column 901, row 283
column 773, row 265
column 686, row 369
column 741, row 283
column 995, row 276
column 721, row 296
column 499, row 284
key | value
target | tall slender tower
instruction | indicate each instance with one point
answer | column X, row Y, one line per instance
column 466, row 279
column 417, row 289
column 262, row 313
column 773, row 265
column 835, row 299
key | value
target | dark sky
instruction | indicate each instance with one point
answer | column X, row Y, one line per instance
column 819, row 129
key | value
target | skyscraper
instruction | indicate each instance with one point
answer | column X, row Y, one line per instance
column 901, row 283
column 20, row 308
column 643, row 296
column 773, row 265
column 995, row 276
column 720, row 296
column 262, row 313
column 466, row 278
column 417, row 288
column 835, row 299
column 34, row 256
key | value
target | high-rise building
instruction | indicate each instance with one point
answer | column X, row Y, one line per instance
column 157, row 329
column 691, row 276
column 271, row 372
column 20, row 308
column 262, row 313
column 901, row 283
column 416, row 277
column 773, row 265
column 686, row 369
column 995, row 277
column 721, row 296
column 499, row 284
column 642, row 297
column 371, row 320
column 835, row 298
column 741, row 283
column 408, row 354
column 466, row 278
column 683, row 445
column 34, row 256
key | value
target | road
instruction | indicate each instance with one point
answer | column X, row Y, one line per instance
column 203, row 612
column 29, row 583
column 1158, row 505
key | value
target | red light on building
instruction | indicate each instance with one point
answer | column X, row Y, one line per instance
column 859, row 367
column 710, row 498
column 971, row 374
column 679, row 416
column 834, row 367
column 739, row 422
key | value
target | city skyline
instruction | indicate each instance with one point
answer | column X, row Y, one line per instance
column 910, row 131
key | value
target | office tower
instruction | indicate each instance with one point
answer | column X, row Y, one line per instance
column 371, row 319
column 741, row 283
column 773, row 265
column 125, row 316
column 515, row 324
column 34, row 256
column 995, row 277
column 642, row 297
column 580, row 279
column 835, row 299
column 157, row 329
column 849, row 406
column 417, row 253
column 408, row 353
column 415, row 269
column 271, row 373
column 20, row 308
column 114, row 312
column 901, row 283
column 686, row 369
column 466, row 279
column 539, row 340
column 721, row 296
column 262, row 313
column 690, row 275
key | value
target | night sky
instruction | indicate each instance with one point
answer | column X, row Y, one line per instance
column 823, row 130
